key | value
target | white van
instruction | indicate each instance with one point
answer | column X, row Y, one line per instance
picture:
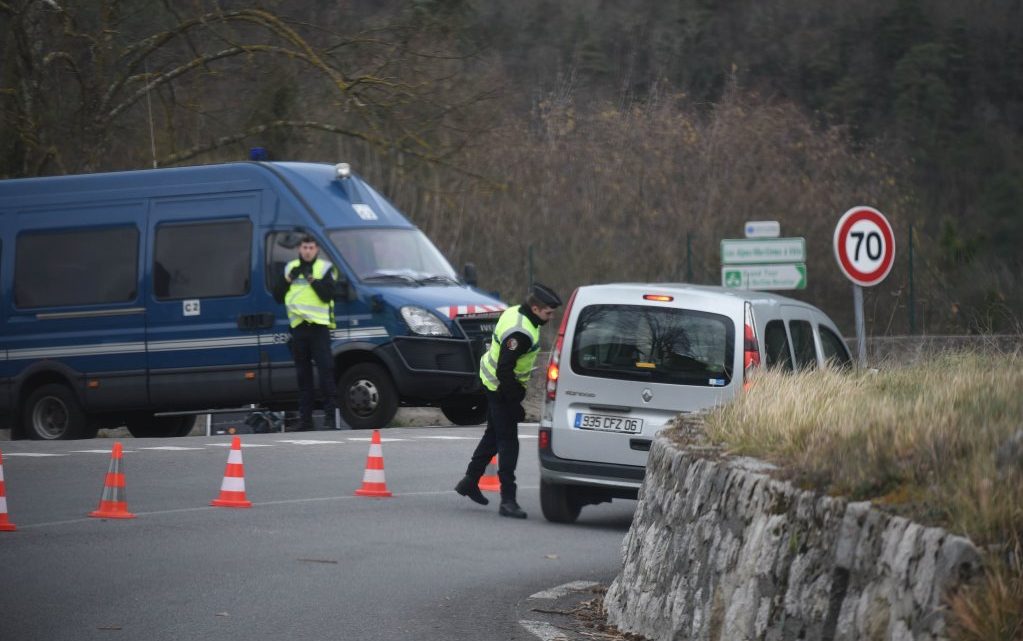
column 629, row 357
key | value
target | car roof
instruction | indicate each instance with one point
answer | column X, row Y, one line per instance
column 698, row 290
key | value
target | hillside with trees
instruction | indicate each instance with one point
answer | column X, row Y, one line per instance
column 607, row 140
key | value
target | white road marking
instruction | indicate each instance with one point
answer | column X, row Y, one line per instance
column 96, row 451
column 309, row 441
column 36, row 454
column 367, row 439
column 243, row 445
column 453, row 438
column 543, row 630
column 172, row 448
column 563, row 589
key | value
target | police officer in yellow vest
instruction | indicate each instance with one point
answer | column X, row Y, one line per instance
column 505, row 370
column 311, row 285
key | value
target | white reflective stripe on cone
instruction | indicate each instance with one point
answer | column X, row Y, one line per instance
column 233, row 484
column 235, row 456
column 375, row 451
column 373, row 476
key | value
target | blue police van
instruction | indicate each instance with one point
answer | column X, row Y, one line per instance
column 132, row 297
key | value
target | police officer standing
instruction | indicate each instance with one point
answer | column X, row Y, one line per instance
column 505, row 370
column 309, row 299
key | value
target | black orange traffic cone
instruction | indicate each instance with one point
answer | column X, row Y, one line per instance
column 113, row 503
column 232, row 489
column 373, row 483
column 5, row 524
column 489, row 481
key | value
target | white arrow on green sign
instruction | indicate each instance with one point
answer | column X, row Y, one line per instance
column 764, row 276
column 757, row 251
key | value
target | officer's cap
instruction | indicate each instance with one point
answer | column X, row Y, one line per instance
column 545, row 295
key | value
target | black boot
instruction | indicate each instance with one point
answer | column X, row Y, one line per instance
column 469, row 486
column 512, row 509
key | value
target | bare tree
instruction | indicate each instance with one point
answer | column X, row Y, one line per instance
column 99, row 85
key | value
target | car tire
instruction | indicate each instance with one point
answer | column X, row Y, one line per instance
column 558, row 502
column 148, row 426
column 472, row 413
column 53, row 412
column 366, row 396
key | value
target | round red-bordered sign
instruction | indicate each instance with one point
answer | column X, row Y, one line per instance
column 864, row 246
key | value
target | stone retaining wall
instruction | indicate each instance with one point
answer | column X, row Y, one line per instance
column 719, row 550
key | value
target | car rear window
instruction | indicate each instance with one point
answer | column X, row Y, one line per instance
column 654, row 344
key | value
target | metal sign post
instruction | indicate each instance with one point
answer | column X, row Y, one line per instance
column 865, row 251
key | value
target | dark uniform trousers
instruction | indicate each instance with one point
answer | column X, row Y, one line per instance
column 309, row 340
column 502, row 438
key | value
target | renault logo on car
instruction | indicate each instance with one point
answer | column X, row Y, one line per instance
column 647, row 395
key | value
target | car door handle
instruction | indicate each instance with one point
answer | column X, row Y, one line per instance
column 640, row 444
column 618, row 409
column 259, row 320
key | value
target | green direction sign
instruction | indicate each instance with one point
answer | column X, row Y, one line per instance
column 764, row 276
column 757, row 251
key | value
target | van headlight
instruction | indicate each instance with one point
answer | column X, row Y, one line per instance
column 424, row 322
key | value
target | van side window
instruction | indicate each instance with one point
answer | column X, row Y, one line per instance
column 776, row 346
column 802, row 344
column 202, row 260
column 76, row 267
column 281, row 248
column 835, row 351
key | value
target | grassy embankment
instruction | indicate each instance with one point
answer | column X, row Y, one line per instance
column 940, row 442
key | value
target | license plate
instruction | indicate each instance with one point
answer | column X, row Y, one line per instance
column 606, row 423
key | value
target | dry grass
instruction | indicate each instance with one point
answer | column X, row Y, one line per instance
column 940, row 442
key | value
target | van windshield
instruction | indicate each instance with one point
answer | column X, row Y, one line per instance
column 396, row 255
column 658, row 345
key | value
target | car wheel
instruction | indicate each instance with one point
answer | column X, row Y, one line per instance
column 366, row 396
column 148, row 426
column 53, row 412
column 472, row 413
column 558, row 503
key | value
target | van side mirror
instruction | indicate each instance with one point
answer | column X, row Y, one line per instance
column 469, row 274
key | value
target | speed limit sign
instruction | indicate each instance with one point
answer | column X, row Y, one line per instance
column 864, row 246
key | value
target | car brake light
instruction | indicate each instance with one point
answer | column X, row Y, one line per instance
column 554, row 364
column 750, row 347
column 661, row 298
column 543, row 439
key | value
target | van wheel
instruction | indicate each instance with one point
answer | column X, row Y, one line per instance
column 148, row 426
column 53, row 412
column 471, row 413
column 366, row 396
column 558, row 503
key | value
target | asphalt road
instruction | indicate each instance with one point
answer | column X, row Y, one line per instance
column 309, row 560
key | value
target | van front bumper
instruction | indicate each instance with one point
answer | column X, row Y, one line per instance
column 621, row 481
column 432, row 370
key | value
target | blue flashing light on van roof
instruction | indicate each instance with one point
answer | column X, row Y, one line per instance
column 129, row 296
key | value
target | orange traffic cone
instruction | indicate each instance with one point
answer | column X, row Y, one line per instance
column 113, row 503
column 373, row 483
column 232, row 489
column 489, row 481
column 5, row 525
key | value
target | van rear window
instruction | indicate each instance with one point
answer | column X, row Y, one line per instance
column 654, row 344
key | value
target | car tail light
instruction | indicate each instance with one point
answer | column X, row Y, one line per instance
column 554, row 364
column 543, row 438
column 750, row 347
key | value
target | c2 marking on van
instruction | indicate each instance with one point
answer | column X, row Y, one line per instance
column 190, row 307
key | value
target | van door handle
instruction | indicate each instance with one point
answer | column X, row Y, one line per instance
column 259, row 320
column 641, row 444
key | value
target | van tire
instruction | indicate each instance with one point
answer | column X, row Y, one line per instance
column 366, row 396
column 559, row 503
column 466, row 413
column 148, row 426
column 53, row 412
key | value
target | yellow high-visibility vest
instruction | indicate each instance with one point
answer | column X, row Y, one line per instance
column 511, row 321
column 301, row 301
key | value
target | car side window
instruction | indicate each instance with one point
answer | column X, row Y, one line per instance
column 835, row 351
column 802, row 344
column 281, row 248
column 776, row 346
column 202, row 260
